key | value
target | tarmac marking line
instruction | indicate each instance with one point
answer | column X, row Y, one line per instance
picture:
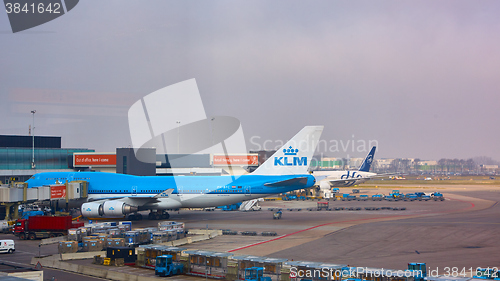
column 472, row 205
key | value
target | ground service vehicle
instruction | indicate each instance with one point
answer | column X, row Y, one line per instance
column 232, row 207
column 165, row 266
column 363, row 197
column 277, row 215
column 289, row 197
column 437, row 196
column 377, row 197
column 36, row 227
column 422, row 196
column 410, row 197
column 322, row 205
column 420, row 269
column 396, row 194
column 255, row 274
column 7, row 246
column 348, row 197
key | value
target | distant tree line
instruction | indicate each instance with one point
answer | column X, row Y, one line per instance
column 444, row 165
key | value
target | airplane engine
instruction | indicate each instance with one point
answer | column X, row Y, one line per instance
column 117, row 208
column 324, row 185
column 92, row 210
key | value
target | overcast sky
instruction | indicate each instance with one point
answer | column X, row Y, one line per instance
column 420, row 78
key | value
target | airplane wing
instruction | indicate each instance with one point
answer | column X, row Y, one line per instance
column 346, row 180
column 382, row 175
column 294, row 181
column 163, row 194
column 332, row 181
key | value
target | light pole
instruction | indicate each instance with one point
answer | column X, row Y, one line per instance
column 178, row 133
column 212, row 129
column 33, row 140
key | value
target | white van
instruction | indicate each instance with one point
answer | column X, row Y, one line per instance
column 7, row 246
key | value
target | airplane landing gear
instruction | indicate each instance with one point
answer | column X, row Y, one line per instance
column 158, row 215
column 135, row 217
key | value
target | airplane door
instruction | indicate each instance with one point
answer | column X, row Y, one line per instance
column 134, row 190
column 180, row 192
column 248, row 190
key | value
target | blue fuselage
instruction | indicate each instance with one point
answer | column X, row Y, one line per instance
column 189, row 191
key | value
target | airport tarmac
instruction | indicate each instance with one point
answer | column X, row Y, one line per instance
column 461, row 231
column 458, row 232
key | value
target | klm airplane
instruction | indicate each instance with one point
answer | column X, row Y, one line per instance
column 117, row 195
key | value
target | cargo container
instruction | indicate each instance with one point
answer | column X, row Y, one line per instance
column 86, row 230
column 160, row 237
column 92, row 245
column 115, row 233
column 115, row 242
column 125, row 253
column 104, row 238
column 144, row 236
column 132, row 238
column 125, row 227
column 66, row 247
column 165, row 225
column 150, row 231
column 75, row 234
column 36, row 227
column 88, row 238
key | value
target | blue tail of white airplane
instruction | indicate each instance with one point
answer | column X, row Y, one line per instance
column 295, row 156
column 367, row 163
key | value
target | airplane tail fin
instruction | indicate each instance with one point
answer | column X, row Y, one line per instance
column 295, row 156
column 367, row 163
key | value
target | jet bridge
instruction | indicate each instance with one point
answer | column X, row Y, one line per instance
column 17, row 193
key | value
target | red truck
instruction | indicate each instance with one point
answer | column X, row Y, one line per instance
column 36, row 227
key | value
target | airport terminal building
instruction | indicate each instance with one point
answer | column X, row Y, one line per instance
column 18, row 152
column 23, row 156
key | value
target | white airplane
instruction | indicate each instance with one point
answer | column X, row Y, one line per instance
column 329, row 179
